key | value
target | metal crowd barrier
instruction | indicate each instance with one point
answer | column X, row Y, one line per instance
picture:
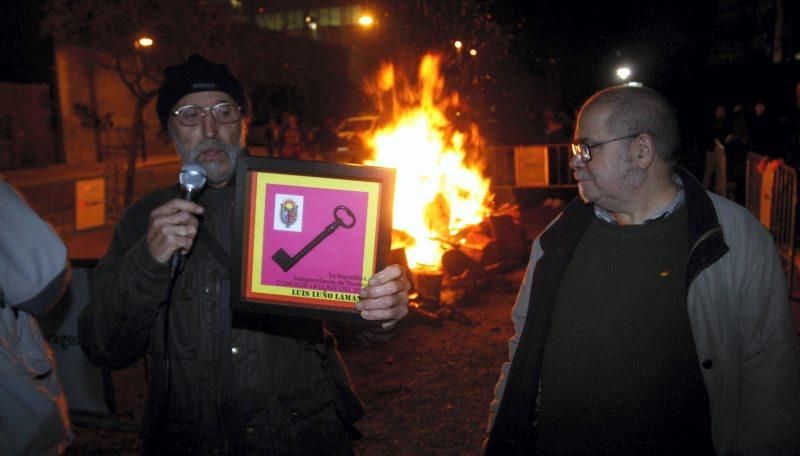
column 753, row 184
column 772, row 197
column 534, row 165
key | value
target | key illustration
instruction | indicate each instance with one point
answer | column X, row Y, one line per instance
column 342, row 216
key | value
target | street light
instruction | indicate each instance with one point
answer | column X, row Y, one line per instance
column 623, row 73
column 366, row 21
column 311, row 23
column 473, row 52
column 458, row 45
column 144, row 41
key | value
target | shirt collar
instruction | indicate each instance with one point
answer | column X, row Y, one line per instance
column 606, row 216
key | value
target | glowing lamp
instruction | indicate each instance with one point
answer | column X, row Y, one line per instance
column 145, row 41
column 366, row 20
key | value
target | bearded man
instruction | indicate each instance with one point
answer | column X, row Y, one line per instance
column 217, row 381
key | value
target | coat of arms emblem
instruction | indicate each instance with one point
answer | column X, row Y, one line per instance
column 288, row 212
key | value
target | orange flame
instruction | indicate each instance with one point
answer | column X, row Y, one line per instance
column 437, row 192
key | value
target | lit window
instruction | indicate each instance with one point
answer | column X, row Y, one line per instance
column 295, row 20
column 330, row 17
column 351, row 14
column 272, row 21
column 335, row 16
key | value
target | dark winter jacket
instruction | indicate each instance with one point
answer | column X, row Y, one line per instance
column 232, row 383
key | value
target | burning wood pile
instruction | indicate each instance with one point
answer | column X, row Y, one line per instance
column 471, row 262
column 446, row 228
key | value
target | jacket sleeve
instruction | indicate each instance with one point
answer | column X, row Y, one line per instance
column 518, row 315
column 129, row 289
column 769, row 372
column 35, row 270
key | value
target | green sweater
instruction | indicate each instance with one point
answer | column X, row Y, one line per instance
column 620, row 372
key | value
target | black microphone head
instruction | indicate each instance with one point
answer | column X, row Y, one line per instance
column 192, row 179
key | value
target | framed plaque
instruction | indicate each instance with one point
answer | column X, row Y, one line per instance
column 308, row 235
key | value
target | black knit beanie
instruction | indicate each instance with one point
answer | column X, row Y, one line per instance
column 196, row 75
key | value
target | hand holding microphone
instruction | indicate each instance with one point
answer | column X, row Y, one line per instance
column 173, row 226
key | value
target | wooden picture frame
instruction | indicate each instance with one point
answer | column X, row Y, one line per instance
column 308, row 235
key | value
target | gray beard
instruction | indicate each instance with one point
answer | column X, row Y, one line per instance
column 216, row 174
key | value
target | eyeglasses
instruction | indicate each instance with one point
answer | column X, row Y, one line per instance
column 191, row 115
column 585, row 150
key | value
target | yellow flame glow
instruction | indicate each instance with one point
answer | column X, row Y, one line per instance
column 437, row 193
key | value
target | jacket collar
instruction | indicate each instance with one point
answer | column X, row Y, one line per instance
column 706, row 241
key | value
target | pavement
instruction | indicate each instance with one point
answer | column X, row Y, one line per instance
column 89, row 244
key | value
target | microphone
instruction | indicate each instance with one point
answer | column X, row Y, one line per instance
column 192, row 179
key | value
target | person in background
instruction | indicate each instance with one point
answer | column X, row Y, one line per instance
column 34, row 272
column 714, row 145
column 654, row 316
column 764, row 135
column 789, row 129
column 763, row 129
column 218, row 382
column 271, row 137
column 292, row 142
column 736, row 144
column 310, row 141
column 327, row 140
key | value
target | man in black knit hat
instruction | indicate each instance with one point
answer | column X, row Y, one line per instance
column 217, row 382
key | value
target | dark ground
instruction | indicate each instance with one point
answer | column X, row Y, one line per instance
column 426, row 391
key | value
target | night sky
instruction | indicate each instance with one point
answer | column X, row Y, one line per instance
column 659, row 39
column 26, row 55
column 573, row 44
column 665, row 42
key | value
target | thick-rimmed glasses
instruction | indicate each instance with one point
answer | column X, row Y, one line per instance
column 585, row 150
column 191, row 115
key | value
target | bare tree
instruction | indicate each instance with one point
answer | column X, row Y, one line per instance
column 179, row 28
column 110, row 29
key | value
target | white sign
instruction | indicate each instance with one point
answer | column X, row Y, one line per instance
column 531, row 167
column 90, row 203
